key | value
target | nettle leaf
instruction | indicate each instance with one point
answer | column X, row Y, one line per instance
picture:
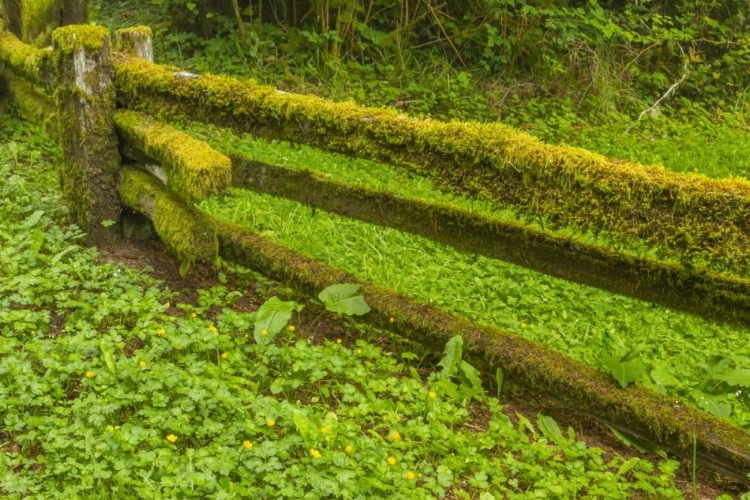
column 344, row 299
column 625, row 372
column 272, row 317
column 452, row 357
column 740, row 377
column 549, row 429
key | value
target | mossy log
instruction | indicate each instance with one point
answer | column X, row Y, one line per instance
column 697, row 216
column 673, row 285
column 720, row 445
column 183, row 229
column 193, row 169
column 29, row 103
column 85, row 96
column 34, row 65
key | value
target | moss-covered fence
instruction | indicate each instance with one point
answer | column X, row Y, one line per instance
column 169, row 171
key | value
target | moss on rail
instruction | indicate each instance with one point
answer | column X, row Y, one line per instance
column 186, row 231
column 194, row 169
column 700, row 217
column 34, row 65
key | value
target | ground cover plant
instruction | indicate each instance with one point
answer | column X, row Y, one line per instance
column 703, row 363
column 108, row 389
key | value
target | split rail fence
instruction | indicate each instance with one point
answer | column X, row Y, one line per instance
column 102, row 99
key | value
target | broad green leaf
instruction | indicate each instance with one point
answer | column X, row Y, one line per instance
column 331, row 423
column 343, row 298
column 32, row 220
column 453, row 352
column 661, row 376
column 625, row 372
column 471, row 374
column 735, row 377
column 303, row 424
column 272, row 317
column 107, row 356
column 525, row 423
column 499, row 378
column 713, row 404
column 549, row 429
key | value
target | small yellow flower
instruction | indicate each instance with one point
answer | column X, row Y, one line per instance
column 264, row 332
column 212, row 328
column 194, row 315
column 324, row 429
column 391, row 461
column 171, row 438
column 524, row 325
column 396, row 436
column 142, row 364
column 359, row 351
column 349, row 448
column 224, row 355
column 247, row 444
column 161, row 331
column 392, row 320
column 270, row 422
column 90, row 374
column 291, row 328
column 338, row 341
column 432, row 395
column 315, row 453
column 410, row 475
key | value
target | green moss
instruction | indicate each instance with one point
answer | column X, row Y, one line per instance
column 670, row 284
column 38, row 19
column 69, row 39
column 23, row 59
column 132, row 41
column 30, row 104
column 525, row 363
column 568, row 186
column 195, row 170
column 183, row 229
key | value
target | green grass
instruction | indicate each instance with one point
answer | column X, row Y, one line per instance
column 103, row 395
column 683, row 354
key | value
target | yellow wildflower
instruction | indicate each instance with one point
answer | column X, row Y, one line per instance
column 89, row 374
column 396, row 436
column 247, row 444
column 391, row 461
column 392, row 320
column 359, row 351
column 142, row 364
column 315, row 453
column 524, row 325
column 410, row 475
column 212, row 328
column 349, row 448
column 194, row 315
column 161, row 331
column 291, row 328
column 338, row 341
column 171, row 438
column 432, row 395
column 224, row 355
column 270, row 422
column 264, row 332
column 324, row 429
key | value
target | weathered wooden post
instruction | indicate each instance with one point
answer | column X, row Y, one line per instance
column 85, row 97
column 137, row 41
column 74, row 11
column 33, row 20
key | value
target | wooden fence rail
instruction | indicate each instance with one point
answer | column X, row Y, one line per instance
column 169, row 171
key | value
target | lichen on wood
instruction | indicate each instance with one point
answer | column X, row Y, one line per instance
column 193, row 168
column 136, row 41
column 85, row 96
column 186, row 231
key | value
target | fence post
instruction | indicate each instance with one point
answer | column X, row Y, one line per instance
column 74, row 12
column 138, row 41
column 85, row 97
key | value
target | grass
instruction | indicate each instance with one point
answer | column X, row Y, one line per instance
column 105, row 395
column 683, row 355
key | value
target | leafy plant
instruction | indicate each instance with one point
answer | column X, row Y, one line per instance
column 344, row 299
column 272, row 317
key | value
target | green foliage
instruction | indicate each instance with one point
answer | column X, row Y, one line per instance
column 344, row 299
column 105, row 395
column 272, row 317
column 626, row 368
